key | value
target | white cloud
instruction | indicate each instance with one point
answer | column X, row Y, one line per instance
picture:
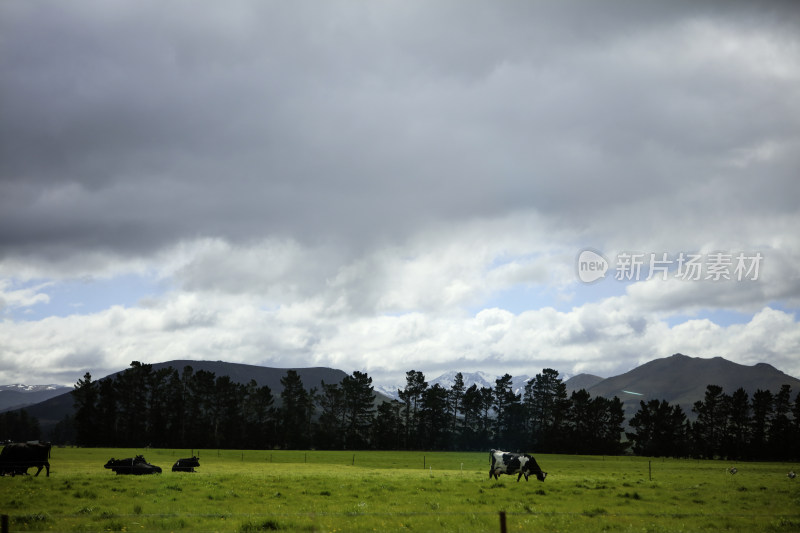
column 21, row 297
column 396, row 185
column 610, row 336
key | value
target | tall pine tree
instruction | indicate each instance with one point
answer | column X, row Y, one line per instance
column 359, row 408
column 296, row 409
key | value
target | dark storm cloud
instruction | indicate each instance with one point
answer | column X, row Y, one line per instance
column 129, row 126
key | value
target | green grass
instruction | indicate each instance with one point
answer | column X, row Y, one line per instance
column 255, row 491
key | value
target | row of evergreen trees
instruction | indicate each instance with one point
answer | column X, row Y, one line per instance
column 188, row 409
column 167, row 408
column 766, row 426
column 19, row 426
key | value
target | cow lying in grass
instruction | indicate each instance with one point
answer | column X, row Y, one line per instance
column 514, row 463
column 136, row 466
column 186, row 465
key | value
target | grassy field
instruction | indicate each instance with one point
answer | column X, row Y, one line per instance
column 398, row 491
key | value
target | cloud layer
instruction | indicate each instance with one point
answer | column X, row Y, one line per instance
column 390, row 186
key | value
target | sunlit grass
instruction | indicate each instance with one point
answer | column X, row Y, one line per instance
column 396, row 491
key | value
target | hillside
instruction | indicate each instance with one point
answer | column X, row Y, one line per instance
column 53, row 410
column 18, row 396
column 582, row 381
column 682, row 380
column 269, row 376
column 446, row 380
column 678, row 379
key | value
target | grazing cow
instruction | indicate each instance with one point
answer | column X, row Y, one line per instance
column 18, row 457
column 186, row 465
column 136, row 466
column 514, row 463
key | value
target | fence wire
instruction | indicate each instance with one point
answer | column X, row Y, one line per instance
column 353, row 514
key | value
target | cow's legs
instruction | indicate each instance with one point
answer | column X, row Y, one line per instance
column 39, row 469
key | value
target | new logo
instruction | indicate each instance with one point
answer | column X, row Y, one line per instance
column 592, row 266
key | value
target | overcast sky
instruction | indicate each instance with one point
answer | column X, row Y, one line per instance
column 386, row 186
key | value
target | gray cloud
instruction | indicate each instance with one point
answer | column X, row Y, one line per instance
column 349, row 168
column 128, row 131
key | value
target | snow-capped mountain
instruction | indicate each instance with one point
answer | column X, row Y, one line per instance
column 388, row 390
column 481, row 379
column 518, row 383
column 446, row 380
column 19, row 387
column 18, row 395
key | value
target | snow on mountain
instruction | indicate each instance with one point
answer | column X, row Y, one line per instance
column 518, row 384
column 446, row 380
column 481, row 379
column 17, row 395
column 388, row 390
column 19, row 387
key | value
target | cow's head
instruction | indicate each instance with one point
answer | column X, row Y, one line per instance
column 541, row 475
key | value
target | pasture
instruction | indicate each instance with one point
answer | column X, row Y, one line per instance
column 251, row 491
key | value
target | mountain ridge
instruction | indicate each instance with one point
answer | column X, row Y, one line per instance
column 51, row 411
column 678, row 379
column 682, row 380
column 19, row 396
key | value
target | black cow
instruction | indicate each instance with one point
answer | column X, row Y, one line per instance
column 18, row 457
column 514, row 463
column 136, row 466
column 186, row 465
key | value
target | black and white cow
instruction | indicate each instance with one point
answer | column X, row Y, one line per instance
column 136, row 466
column 514, row 463
column 18, row 457
column 186, row 465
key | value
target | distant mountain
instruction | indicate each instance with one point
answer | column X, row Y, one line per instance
column 17, row 396
column 264, row 375
column 518, row 384
column 481, row 379
column 26, row 389
column 678, row 379
column 388, row 391
column 582, row 381
column 682, row 380
column 446, row 380
column 54, row 409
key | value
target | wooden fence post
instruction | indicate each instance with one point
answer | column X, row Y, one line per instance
column 503, row 522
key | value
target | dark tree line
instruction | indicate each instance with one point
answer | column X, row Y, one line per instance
column 188, row 409
column 167, row 408
column 766, row 426
column 17, row 425
column 542, row 418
